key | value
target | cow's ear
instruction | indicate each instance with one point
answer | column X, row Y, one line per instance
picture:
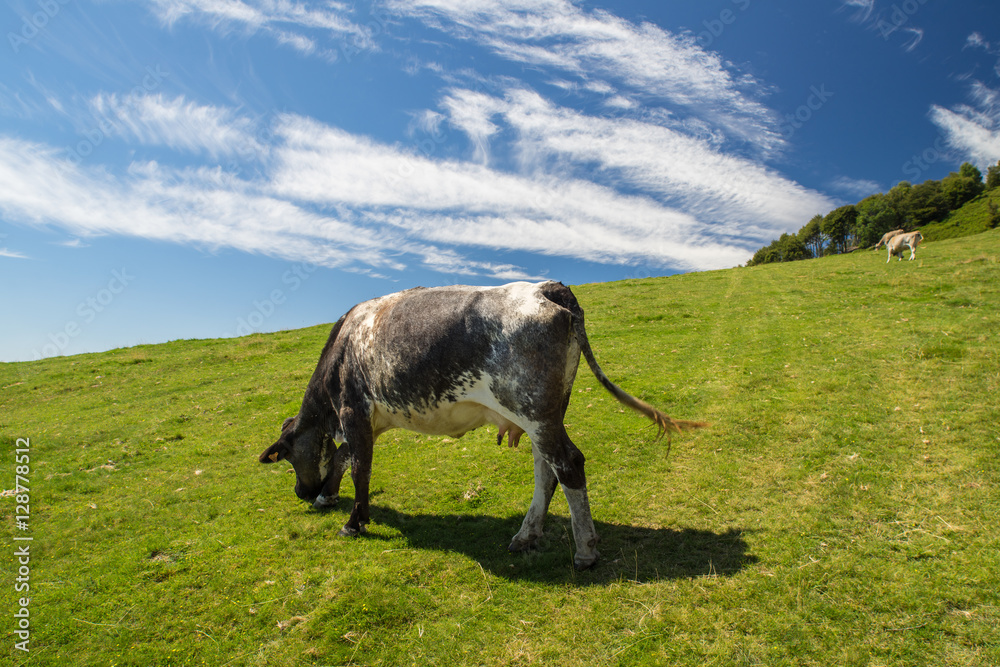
column 275, row 452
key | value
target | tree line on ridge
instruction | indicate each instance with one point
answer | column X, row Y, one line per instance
column 861, row 225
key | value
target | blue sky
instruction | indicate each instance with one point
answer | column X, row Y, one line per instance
column 204, row 168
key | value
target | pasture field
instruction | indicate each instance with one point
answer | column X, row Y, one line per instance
column 841, row 509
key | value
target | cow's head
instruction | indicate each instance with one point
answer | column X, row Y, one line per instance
column 310, row 451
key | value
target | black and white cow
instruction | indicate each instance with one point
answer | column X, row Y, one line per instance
column 444, row 361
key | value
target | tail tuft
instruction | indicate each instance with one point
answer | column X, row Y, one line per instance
column 666, row 424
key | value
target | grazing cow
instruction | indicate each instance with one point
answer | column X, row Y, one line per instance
column 885, row 238
column 444, row 361
column 897, row 243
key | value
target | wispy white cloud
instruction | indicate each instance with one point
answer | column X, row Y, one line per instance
column 177, row 123
column 889, row 21
column 729, row 196
column 863, row 9
column 471, row 113
column 285, row 20
column 973, row 129
column 916, row 35
column 183, row 206
column 464, row 203
column 301, row 43
column 342, row 200
column 855, row 187
column 976, row 40
column 200, row 208
column 653, row 63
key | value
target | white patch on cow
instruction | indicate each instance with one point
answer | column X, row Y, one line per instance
column 323, row 502
column 325, row 460
column 475, row 406
column 525, row 298
column 572, row 363
column 366, row 320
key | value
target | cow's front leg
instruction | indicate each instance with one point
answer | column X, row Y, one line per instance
column 545, row 486
column 358, row 433
column 330, row 494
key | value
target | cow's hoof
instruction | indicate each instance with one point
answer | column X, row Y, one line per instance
column 521, row 544
column 347, row 531
column 325, row 502
column 585, row 563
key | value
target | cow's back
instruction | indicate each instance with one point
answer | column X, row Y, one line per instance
column 422, row 347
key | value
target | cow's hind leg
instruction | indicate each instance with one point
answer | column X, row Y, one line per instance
column 584, row 533
column 557, row 459
column 545, row 486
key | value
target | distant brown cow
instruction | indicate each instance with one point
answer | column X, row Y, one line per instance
column 885, row 237
column 897, row 243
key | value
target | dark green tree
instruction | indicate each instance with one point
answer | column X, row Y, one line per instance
column 837, row 226
column 876, row 216
column 993, row 176
column 969, row 170
column 812, row 236
column 899, row 199
column 958, row 188
column 792, row 249
column 994, row 212
column 787, row 248
column 926, row 204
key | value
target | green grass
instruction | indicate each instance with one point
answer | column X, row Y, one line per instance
column 972, row 218
column 840, row 510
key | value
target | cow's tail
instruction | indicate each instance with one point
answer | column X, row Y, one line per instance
column 664, row 423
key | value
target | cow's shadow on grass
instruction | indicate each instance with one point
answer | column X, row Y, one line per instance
column 627, row 552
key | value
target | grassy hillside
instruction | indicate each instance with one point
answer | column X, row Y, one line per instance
column 841, row 509
column 972, row 218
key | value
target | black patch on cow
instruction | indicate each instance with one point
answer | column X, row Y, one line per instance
column 426, row 347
